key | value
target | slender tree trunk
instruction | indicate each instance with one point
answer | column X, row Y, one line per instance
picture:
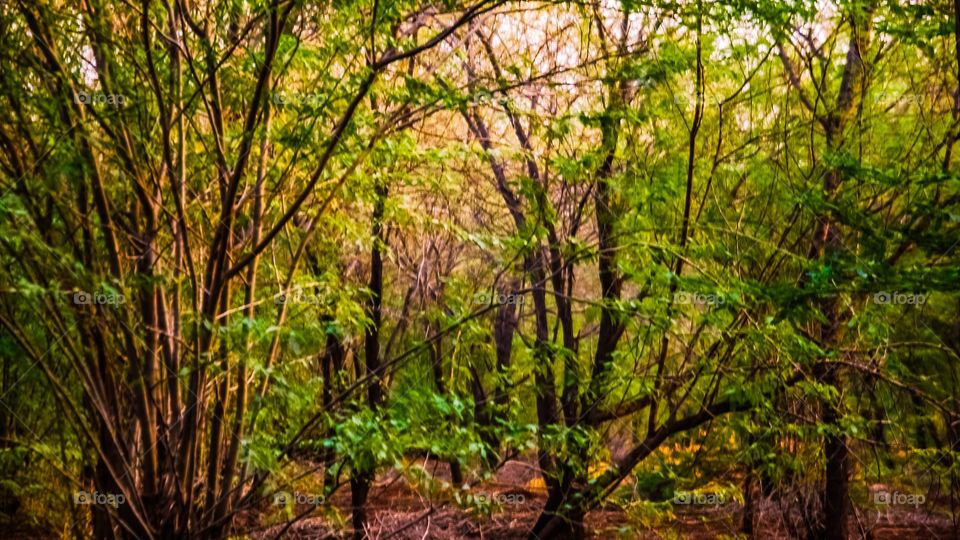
column 436, row 367
column 748, row 504
column 359, row 489
column 361, row 480
column 561, row 518
column 495, row 404
column 827, row 244
column 331, row 364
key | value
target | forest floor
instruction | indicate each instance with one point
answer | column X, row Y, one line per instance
column 398, row 511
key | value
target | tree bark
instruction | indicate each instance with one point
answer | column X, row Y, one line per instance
column 361, row 480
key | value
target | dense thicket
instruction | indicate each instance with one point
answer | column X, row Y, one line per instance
column 246, row 244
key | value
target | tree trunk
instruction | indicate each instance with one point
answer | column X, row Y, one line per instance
column 837, row 475
column 561, row 519
column 748, row 504
column 825, row 245
column 360, row 480
column 436, row 365
column 359, row 489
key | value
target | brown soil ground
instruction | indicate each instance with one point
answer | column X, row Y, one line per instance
column 397, row 511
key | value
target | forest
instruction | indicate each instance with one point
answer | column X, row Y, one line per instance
column 492, row 269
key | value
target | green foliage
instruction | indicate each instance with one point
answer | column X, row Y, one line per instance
column 703, row 224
